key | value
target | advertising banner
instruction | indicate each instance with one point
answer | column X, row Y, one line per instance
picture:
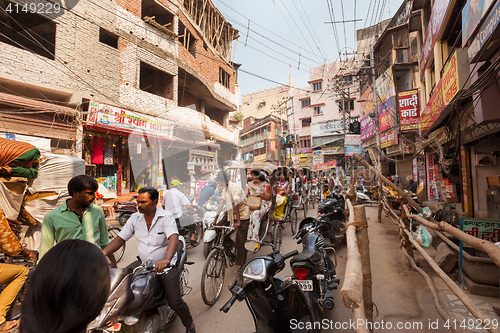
column 385, row 86
column 352, row 140
column 487, row 29
column 260, row 158
column 386, row 121
column 367, row 101
column 439, row 10
column 323, row 166
column 433, row 109
column 367, row 128
column 472, row 13
column 450, row 80
column 332, row 150
column 388, row 139
column 485, row 229
column 350, row 151
column 318, row 157
column 112, row 117
column 409, row 110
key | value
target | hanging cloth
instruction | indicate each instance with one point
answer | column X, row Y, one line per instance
column 98, row 150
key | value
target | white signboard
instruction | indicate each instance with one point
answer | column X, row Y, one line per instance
column 108, row 116
column 333, row 127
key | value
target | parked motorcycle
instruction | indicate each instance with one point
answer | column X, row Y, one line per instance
column 123, row 210
column 275, row 303
column 313, row 270
column 331, row 219
column 136, row 301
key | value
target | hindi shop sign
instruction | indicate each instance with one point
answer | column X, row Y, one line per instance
column 112, row 117
column 455, row 75
column 389, row 139
column 350, row 150
column 367, row 128
column 409, row 110
column 488, row 230
column 327, row 128
column 433, row 109
column 386, row 120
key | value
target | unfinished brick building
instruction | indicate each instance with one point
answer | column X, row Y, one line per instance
column 156, row 68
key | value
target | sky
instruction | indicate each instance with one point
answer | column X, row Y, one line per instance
column 279, row 38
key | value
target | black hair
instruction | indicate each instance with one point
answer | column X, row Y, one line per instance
column 260, row 174
column 82, row 183
column 222, row 176
column 153, row 193
column 67, row 290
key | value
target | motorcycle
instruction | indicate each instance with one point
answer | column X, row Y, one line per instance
column 275, row 303
column 313, row 270
column 331, row 219
column 210, row 234
column 136, row 301
column 123, row 210
column 191, row 224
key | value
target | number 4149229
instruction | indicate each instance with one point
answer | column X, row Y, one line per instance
column 472, row 324
column 34, row 8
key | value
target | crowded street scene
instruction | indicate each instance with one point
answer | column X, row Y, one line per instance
column 264, row 166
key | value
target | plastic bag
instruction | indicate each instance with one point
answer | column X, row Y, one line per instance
column 422, row 236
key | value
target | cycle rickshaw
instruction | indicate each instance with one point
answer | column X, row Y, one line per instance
column 222, row 256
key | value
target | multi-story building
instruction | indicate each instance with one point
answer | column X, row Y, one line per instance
column 320, row 111
column 138, row 81
column 265, row 102
column 260, row 140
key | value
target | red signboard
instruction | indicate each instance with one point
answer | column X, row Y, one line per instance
column 433, row 109
column 409, row 110
column 389, row 139
column 386, row 120
column 438, row 13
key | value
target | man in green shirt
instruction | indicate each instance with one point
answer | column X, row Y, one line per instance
column 77, row 218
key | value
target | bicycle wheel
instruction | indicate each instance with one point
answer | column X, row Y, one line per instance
column 212, row 278
column 112, row 233
column 293, row 220
column 277, row 237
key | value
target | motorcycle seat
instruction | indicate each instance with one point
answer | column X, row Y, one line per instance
column 310, row 257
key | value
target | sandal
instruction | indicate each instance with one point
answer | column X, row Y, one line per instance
column 9, row 326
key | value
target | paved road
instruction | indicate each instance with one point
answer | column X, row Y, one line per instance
column 399, row 293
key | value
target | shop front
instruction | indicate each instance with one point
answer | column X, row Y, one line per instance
column 122, row 148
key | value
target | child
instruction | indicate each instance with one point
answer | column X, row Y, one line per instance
column 326, row 192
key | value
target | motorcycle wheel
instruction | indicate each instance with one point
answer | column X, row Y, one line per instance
column 277, row 237
column 293, row 221
column 123, row 218
column 207, row 248
column 212, row 277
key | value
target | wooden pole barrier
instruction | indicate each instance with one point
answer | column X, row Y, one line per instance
column 364, row 250
column 476, row 312
column 388, row 183
column 487, row 247
column 352, row 289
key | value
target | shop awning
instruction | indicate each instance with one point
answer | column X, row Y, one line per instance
column 329, row 142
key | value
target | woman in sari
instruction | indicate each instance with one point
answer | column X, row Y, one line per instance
column 258, row 187
column 282, row 191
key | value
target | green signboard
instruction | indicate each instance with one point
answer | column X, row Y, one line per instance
column 486, row 229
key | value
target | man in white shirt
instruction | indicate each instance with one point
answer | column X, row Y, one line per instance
column 173, row 201
column 157, row 239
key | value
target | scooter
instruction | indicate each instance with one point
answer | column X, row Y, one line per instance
column 210, row 234
column 313, row 270
column 136, row 301
column 123, row 210
column 331, row 219
column 275, row 303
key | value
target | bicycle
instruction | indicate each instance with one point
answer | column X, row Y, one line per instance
column 214, row 270
column 112, row 233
